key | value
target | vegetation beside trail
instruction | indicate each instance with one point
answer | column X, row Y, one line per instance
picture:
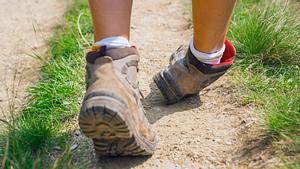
column 267, row 38
column 32, row 135
column 266, row 35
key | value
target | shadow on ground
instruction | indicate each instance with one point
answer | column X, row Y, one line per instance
column 155, row 109
column 120, row 162
column 256, row 152
column 155, row 106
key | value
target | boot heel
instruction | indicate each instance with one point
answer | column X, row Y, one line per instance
column 102, row 119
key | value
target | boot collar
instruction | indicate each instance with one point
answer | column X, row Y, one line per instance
column 115, row 54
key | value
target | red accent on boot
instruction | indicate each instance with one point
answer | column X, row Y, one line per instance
column 133, row 46
column 228, row 55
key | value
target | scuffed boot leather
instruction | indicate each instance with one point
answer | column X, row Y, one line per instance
column 112, row 113
column 186, row 75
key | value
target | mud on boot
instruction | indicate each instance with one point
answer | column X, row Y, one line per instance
column 186, row 75
column 111, row 113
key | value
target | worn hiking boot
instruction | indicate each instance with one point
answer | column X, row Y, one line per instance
column 186, row 75
column 112, row 114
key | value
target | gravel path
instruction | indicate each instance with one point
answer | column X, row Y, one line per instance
column 205, row 131
column 25, row 26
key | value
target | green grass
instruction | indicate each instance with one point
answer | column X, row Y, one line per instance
column 267, row 38
column 53, row 100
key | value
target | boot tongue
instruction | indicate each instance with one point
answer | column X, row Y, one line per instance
column 115, row 53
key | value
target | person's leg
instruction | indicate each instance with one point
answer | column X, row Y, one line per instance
column 111, row 113
column 211, row 20
column 111, row 18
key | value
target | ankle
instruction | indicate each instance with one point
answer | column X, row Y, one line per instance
column 208, row 58
column 112, row 42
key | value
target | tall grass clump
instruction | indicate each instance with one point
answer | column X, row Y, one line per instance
column 266, row 35
column 53, row 100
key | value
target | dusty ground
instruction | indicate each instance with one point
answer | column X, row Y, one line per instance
column 25, row 26
column 205, row 131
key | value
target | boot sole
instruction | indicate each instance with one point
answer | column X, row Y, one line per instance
column 103, row 119
column 167, row 87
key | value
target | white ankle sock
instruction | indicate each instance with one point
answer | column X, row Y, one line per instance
column 113, row 42
column 209, row 58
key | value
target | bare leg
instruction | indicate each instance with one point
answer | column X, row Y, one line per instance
column 111, row 18
column 211, row 20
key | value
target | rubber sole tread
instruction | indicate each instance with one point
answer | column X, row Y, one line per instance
column 109, row 131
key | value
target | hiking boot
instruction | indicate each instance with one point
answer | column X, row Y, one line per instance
column 112, row 114
column 186, row 75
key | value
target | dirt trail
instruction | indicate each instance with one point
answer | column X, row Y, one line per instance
column 205, row 131
column 25, row 27
column 209, row 131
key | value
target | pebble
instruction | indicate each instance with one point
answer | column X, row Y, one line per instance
column 74, row 147
column 132, row 26
column 227, row 142
column 57, row 148
column 77, row 133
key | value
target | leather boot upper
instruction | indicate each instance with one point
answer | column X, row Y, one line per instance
column 188, row 75
column 113, row 72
